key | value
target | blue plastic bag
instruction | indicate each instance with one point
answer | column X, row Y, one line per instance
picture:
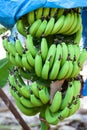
column 11, row 10
column 84, row 22
column 84, row 90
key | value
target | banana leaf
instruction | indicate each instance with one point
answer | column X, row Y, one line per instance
column 5, row 65
column 2, row 29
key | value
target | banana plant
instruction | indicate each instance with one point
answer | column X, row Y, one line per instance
column 5, row 66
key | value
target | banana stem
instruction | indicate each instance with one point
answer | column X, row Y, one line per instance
column 44, row 123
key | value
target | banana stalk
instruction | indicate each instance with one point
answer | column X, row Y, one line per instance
column 44, row 124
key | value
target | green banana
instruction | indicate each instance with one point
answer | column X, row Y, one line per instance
column 74, row 107
column 49, row 61
column 64, row 113
column 51, row 118
column 79, row 23
column 51, row 54
column 64, row 53
column 38, row 64
column 53, row 12
column 26, row 102
column 46, row 12
column 60, row 12
column 24, row 90
column 77, row 87
column 39, row 13
column 45, row 70
column 56, row 102
column 63, row 71
column 12, row 59
column 68, row 96
column 8, row 56
column 19, row 47
column 30, row 58
column 44, row 95
column 55, row 70
column 41, row 29
column 12, row 82
column 78, row 36
column 70, row 70
column 49, row 26
column 18, row 60
column 5, row 43
column 44, row 48
column 71, row 22
column 66, row 25
column 31, row 17
column 83, row 57
column 34, row 100
column 56, row 65
column 58, row 24
column 58, row 52
column 20, row 27
column 35, row 89
column 25, row 110
column 16, row 88
column 75, row 69
column 76, row 51
column 71, row 51
column 34, row 27
column 25, row 63
column 19, row 79
column 30, row 45
column 14, row 93
column 73, row 25
column 11, row 48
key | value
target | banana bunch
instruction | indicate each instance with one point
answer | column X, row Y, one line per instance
column 50, row 21
column 20, row 56
column 54, row 62
column 28, row 98
column 59, row 61
column 55, row 118
column 37, row 15
column 64, row 105
column 51, row 53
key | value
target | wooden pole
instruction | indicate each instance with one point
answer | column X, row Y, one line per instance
column 13, row 110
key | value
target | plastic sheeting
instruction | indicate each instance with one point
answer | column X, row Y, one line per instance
column 84, row 91
column 84, row 37
column 84, row 22
column 11, row 10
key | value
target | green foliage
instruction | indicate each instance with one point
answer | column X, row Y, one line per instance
column 2, row 29
column 4, row 73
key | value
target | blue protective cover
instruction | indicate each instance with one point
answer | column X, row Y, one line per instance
column 84, row 91
column 84, row 22
column 11, row 10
